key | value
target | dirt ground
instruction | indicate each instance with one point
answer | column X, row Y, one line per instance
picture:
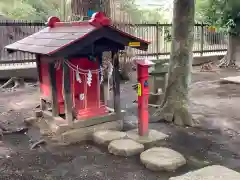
column 215, row 140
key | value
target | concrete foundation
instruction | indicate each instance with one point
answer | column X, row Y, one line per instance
column 23, row 70
column 83, row 130
column 85, row 134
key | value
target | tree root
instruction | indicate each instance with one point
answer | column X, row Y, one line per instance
column 207, row 67
column 178, row 115
column 225, row 62
column 36, row 144
column 13, row 82
column 8, row 83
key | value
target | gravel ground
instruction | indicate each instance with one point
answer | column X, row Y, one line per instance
column 215, row 141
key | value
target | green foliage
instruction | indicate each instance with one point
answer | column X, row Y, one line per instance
column 142, row 15
column 224, row 14
column 40, row 10
column 35, row 10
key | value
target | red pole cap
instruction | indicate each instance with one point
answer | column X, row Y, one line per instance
column 99, row 18
column 144, row 62
column 52, row 21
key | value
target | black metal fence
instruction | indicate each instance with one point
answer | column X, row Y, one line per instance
column 12, row 31
column 205, row 40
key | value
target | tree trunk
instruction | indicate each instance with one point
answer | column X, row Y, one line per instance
column 231, row 59
column 79, row 8
column 126, row 63
column 174, row 107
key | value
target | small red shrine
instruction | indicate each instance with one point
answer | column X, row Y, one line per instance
column 69, row 63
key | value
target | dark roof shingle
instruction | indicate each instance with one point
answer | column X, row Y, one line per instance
column 51, row 39
column 59, row 35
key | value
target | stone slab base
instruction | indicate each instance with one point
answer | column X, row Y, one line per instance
column 59, row 125
column 58, row 129
column 85, row 134
column 154, row 137
column 215, row 172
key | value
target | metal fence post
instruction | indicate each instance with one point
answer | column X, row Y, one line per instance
column 202, row 39
column 11, row 31
column 157, row 37
column 15, row 30
column 63, row 4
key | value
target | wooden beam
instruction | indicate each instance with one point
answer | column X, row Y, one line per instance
column 38, row 62
column 102, row 95
column 67, row 94
column 53, row 88
column 116, row 84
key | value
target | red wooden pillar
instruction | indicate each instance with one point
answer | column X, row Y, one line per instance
column 42, row 101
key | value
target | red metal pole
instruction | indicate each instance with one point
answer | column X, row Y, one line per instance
column 143, row 108
column 143, row 91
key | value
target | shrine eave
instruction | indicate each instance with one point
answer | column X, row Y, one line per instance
column 59, row 36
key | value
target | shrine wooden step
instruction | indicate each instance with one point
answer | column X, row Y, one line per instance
column 92, row 112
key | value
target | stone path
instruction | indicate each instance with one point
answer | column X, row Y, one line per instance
column 210, row 173
column 232, row 79
column 105, row 137
column 157, row 158
column 125, row 147
column 130, row 144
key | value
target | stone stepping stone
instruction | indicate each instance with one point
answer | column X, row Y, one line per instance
column 162, row 159
column 125, row 147
column 153, row 136
column 214, row 172
column 233, row 79
column 105, row 137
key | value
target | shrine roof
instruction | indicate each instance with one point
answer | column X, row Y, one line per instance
column 59, row 35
